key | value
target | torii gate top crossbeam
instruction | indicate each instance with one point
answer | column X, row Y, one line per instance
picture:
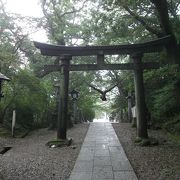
column 147, row 47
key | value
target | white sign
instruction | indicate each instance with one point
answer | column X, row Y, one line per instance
column 13, row 121
column 133, row 109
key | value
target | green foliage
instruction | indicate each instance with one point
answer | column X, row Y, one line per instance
column 119, row 103
column 88, row 113
column 4, row 132
column 60, row 20
column 163, row 100
column 28, row 97
column 32, row 101
column 173, row 125
column 87, row 99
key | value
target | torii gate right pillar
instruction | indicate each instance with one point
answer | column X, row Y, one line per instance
column 139, row 96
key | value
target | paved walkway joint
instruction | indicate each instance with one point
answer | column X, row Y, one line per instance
column 102, row 156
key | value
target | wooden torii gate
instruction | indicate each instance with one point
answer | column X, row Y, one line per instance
column 136, row 51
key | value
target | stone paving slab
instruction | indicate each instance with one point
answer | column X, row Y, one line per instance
column 102, row 156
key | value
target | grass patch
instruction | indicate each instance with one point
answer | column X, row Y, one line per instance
column 175, row 138
column 19, row 133
column 4, row 132
column 172, row 127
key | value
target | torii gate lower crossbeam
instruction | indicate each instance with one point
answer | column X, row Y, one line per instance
column 95, row 67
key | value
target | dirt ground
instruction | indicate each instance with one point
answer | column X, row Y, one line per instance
column 31, row 159
column 160, row 162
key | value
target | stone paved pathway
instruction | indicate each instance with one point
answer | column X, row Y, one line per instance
column 102, row 156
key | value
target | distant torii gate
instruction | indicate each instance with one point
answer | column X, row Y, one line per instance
column 136, row 51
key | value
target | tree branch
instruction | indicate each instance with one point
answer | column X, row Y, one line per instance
column 142, row 21
column 119, row 83
column 50, row 25
column 173, row 8
column 75, row 10
column 162, row 9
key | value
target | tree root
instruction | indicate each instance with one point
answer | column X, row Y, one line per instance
column 146, row 141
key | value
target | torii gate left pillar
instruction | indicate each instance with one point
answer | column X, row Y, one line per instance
column 63, row 102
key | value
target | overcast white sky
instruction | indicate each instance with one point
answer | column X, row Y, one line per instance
column 27, row 8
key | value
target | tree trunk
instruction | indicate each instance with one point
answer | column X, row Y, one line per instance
column 172, row 49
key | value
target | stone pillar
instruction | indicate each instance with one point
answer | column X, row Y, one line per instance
column 129, row 98
column 63, row 105
column 139, row 96
column 75, row 119
column 1, row 95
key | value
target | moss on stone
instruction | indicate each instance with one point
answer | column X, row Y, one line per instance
column 59, row 142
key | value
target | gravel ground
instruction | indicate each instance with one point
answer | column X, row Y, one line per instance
column 30, row 159
column 160, row 162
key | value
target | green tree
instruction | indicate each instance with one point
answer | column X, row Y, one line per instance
column 27, row 95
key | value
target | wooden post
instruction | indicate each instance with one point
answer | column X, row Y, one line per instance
column 63, row 105
column 139, row 96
